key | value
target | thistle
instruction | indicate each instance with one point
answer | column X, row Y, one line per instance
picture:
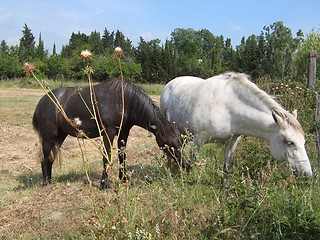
column 118, row 52
column 86, row 55
column 29, row 68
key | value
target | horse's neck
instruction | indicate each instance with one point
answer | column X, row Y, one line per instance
column 254, row 119
column 253, row 115
column 256, row 124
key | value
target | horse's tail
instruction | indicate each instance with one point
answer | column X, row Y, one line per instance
column 35, row 122
column 55, row 154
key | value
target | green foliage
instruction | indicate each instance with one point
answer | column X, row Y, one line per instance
column 310, row 44
column 9, row 62
column 275, row 52
column 108, row 67
column 55, row 65
column 280, row 47
column 27, row 44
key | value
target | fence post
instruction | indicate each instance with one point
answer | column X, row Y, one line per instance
column 316, row 129
column 312, row 69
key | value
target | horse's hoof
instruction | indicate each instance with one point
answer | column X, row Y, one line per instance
column 105, row 185
column 187, row 167
column 124, row 178
column 45, row 183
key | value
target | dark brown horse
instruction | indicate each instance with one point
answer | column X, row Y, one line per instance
column 139, row 109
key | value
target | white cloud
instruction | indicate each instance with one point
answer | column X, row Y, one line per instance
column 235, row 27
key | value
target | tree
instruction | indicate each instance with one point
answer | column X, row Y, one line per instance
column 279, row 50
column 4, row 48
column 95, row 42
column 188, row 52
column 186, row 42
column 299, row 39
column 228, row 56
column 261, row 55
column 250, row 56
column 240, row 56
column 41, row 53
column 77, row 43
column 301, row 64
column 27, row 44
column 217, row 55
column 108, row 67
column 108, row 39
column 54, row 68
column 10, row 66
column 121, row 41
column 168, row 61
column 207, row 40
column 54, row 50
column 149, row 57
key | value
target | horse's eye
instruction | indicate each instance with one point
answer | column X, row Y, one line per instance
column 290, row 143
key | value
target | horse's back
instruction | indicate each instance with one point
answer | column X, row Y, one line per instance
column 176, row 90
column 200, row 106
column 45, row 115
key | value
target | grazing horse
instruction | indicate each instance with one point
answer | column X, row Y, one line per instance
column 224, row 107
column 139, row 109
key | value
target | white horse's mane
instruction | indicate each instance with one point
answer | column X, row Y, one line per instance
column 245, row 80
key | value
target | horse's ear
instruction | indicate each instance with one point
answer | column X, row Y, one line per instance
column 277, row 118
column 295, row 113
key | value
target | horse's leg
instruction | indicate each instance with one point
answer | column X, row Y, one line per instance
column 50, row 151
column 233, row 142
column 46, row 163
column 105, row 183
column 122, row 143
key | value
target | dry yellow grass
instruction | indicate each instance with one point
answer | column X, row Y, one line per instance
column 27, row 208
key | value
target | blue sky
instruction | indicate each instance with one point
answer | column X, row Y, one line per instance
column 57, row 19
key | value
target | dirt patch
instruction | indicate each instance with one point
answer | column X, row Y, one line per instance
column 18, row 150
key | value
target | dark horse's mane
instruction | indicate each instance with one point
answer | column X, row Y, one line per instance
column 140, row 103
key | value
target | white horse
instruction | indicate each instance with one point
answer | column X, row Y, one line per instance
column 224, row 107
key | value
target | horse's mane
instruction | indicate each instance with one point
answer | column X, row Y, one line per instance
column 267, row 100
column 139, row 102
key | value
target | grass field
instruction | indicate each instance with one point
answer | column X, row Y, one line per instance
column 262, row 200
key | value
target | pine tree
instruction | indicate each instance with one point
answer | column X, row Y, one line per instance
column 95, row 42
column 107, row 39
column 54, row 50
column 41, row 53
column 4, row 48
column 27, row 44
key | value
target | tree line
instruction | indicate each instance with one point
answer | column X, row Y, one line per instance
column 276, row 52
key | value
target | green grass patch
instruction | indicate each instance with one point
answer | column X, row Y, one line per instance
column 261, row 199
column 152, row 89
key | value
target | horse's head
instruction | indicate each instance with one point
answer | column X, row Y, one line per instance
column 288, row 142
column 168, row 140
